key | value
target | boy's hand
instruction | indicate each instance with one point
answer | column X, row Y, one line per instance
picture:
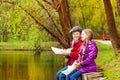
column 64, row 52
column 68, row 50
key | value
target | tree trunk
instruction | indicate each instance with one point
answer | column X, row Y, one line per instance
column 63, row 10
column 4, row 31
column 111, row 26
column 118, row 7
column 5, row 38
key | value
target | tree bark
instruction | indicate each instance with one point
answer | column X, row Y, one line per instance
column 63, row 10
column 118, row 7
column 4, row 31
column 5, row 38
column 111, row 26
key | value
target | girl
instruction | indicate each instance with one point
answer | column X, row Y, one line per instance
column 73, row 55
column 88, row 54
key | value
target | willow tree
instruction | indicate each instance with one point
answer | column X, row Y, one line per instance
column 58, row 31
column 111, row 26
column 59, row 34
column 61, row 6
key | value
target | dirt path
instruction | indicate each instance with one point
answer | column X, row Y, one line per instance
column 107, row 42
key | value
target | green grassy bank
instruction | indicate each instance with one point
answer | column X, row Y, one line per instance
column 108, row 61
column 25, row 44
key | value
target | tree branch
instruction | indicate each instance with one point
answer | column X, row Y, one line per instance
column 59, row 39
column 13, row 3
column 48, row 2
column 52, row 21
column 37, row 21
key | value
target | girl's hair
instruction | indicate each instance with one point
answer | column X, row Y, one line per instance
column 89, row 33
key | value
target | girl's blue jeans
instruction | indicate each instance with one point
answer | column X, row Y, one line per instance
column 74, row 75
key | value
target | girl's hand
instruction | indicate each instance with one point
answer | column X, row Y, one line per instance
column 77, row 65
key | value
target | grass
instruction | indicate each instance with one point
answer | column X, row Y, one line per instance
column 25, row 44
column 108, row 61
column 20, row 44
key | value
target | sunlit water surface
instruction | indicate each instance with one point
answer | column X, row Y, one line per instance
column 23, row 65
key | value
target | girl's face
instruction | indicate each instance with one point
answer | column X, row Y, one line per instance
column 84, row 36
column 76, row 35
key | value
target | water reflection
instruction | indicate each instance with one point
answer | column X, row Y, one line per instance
column 16, row 65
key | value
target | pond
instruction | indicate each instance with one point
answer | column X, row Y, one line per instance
column 23, row 65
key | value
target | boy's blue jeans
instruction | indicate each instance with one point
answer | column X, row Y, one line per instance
column 60, row 75
column 72, row 76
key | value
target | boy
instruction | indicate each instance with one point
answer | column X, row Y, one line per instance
column 72, row 55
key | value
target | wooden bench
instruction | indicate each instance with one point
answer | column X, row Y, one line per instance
column 101, row 78
column 93, row 76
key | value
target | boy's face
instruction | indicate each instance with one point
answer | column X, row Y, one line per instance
column 76, row 35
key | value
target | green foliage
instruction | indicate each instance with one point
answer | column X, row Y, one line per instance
column 21, row 27
column 91, row 14
column 35, row 33
column 15, row 26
